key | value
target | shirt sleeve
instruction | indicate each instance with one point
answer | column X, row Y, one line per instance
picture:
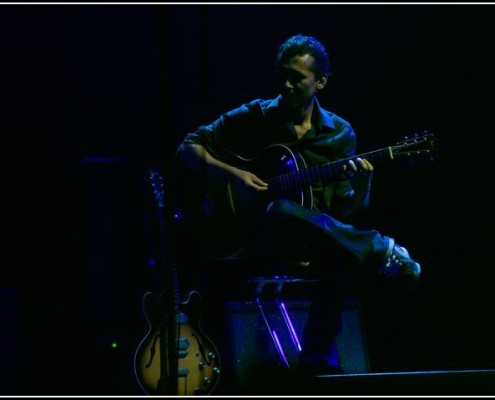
column 347, row 147
column 334, row 193
column 229, row 132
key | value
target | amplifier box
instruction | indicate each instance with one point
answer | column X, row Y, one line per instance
column 254, row 348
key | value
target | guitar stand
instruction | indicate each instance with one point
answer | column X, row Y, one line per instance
column 276, row 284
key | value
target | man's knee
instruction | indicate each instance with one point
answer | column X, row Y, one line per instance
column 281, row 207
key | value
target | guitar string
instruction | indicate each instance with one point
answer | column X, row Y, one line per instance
column 306, row 176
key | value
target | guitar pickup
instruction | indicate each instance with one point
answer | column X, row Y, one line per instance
column 182, row 353
column 182, row 346
column 182, row 372
column 181, row 319
column 183, row 343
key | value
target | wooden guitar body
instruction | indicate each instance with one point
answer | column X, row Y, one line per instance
column 221, row 216
column 198, row 362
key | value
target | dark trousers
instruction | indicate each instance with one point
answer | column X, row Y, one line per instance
column 290, row 233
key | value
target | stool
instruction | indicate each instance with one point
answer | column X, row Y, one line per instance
column 266, row 331
column 276, row 283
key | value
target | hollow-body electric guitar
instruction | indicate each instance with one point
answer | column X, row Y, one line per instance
column 175, row 357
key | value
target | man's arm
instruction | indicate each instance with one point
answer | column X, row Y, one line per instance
column 201, row 162
column 360, row 177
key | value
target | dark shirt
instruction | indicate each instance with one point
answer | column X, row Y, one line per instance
column 249, row 129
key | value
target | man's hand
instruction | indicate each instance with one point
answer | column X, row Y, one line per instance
column 360, row 174
column 245, row 179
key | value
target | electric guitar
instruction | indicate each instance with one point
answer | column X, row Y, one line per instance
column 221, row 216
column 175, row 357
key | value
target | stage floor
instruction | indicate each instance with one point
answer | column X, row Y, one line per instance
column 411, row 383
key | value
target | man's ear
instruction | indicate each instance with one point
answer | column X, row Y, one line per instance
column 320, row 84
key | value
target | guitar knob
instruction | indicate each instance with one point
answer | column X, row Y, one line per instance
column 211, row 355
column 206, row 380
column 216, row 370
column 201, row 365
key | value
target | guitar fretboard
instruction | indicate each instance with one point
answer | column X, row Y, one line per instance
column 324, row 172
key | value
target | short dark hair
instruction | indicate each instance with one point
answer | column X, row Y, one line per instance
column 299, row 45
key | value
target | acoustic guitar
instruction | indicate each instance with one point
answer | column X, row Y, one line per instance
column 221, row 215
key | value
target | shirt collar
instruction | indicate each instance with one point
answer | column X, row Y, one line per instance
column 322, row 117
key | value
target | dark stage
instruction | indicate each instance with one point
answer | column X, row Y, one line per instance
column 94, row 96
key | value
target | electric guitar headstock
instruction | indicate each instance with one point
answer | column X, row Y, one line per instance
column 158, row 186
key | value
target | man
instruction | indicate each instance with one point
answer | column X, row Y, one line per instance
column 310, row 233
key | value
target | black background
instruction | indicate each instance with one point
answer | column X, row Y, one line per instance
column 94, row 95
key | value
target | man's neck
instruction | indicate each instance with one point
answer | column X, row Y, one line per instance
column 301, row 116
column 302, row 120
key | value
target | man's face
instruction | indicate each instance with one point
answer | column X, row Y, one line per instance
column 299, row 83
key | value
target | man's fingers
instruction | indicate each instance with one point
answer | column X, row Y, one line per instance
column 259, row 182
